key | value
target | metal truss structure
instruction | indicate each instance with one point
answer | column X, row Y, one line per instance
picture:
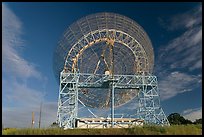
column 105, row 60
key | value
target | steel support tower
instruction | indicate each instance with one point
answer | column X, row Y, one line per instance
column 149, row 104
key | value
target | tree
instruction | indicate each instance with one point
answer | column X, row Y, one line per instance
column 54, row 125
column 198, row 121
column 174, row 119
column 187, row 121
column 177, row 119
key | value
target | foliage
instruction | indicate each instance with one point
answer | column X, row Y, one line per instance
column 198, row 121
column 177, row 119
column 54, row 125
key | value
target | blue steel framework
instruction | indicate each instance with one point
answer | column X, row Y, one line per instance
column 112, row 29
column 149, row 106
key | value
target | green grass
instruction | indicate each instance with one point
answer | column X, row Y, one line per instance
column 145, row 130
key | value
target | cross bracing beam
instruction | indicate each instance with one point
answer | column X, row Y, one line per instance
column 102, row 81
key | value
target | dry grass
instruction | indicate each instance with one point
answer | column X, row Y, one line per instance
column 145, row 130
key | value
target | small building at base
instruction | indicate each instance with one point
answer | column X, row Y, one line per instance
column 107, row 123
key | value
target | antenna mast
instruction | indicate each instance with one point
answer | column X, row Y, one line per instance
column 32, row 122
column 40, row 114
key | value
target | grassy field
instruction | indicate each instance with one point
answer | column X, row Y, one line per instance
column 145, row 130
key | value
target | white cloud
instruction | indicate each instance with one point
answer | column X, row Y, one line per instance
column 185, row 20
column 184, row 51
column 21, row 117
column 11, row 43
column 181, row 56
column 20, row 100
column 176, row 83
column 23, row 95
column 193, row 114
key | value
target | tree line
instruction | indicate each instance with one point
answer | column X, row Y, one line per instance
column 177, row 119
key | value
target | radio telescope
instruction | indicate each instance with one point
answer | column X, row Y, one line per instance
column 104, row 60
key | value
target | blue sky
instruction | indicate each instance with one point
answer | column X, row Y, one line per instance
column 30, row 32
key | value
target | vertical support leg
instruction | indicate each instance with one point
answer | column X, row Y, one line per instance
column 68, row 101
column 149, row 103
column 112, row 105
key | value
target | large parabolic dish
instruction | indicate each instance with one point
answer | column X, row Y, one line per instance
column 85, row 46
